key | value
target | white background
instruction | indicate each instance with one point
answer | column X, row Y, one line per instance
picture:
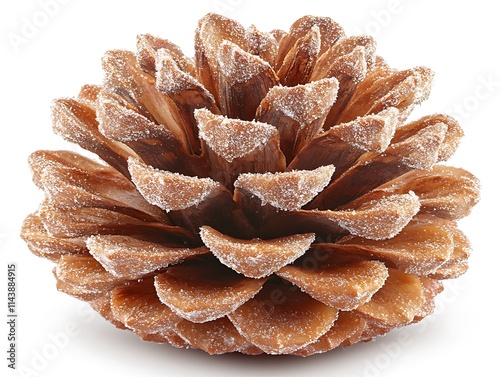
column 457, row 39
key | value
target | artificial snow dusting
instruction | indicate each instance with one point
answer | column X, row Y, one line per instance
column 169, row 191
column 380, row 219
column 256, row 258
column 232, row 138
column 304, row 103
column 358, row 253
column 238, row 65
column 289, row 190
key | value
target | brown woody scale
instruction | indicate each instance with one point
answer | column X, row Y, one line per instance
column 267, row 196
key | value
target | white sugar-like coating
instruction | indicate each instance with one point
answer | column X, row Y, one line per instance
column 206, row 314
column 148, row 46
column 421, row 150
column 123, row 123
column 415, row 88
column 85, row 273
column 256, row 39
column 200, row 300
column 352, row 56
column 167, row 190
column 262, row 44
column 423, row 83
column 310, row 44
column 452, row 139
column 354, row 64
column 288, row 190
column 138, row 307
column 315, row 40
column 380, row 219
column 357, row 64
column 347, row 45
column 214, row 29
column 344, row 286
column 256, row 258
column 215, row 337
column 118, row 65
column 232, row 138
column 238, row 65
column 380, row 237
column 282, row 326
column 397, row 302
column 420, row 248
column 304, row 103
column 329, row 29
column 66, row 123
column 170, row 79
column 371, row 132
column 131, row 258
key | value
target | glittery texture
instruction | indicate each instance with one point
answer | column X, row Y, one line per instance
column 265, row 196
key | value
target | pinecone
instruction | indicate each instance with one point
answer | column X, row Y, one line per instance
column 267, row 196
